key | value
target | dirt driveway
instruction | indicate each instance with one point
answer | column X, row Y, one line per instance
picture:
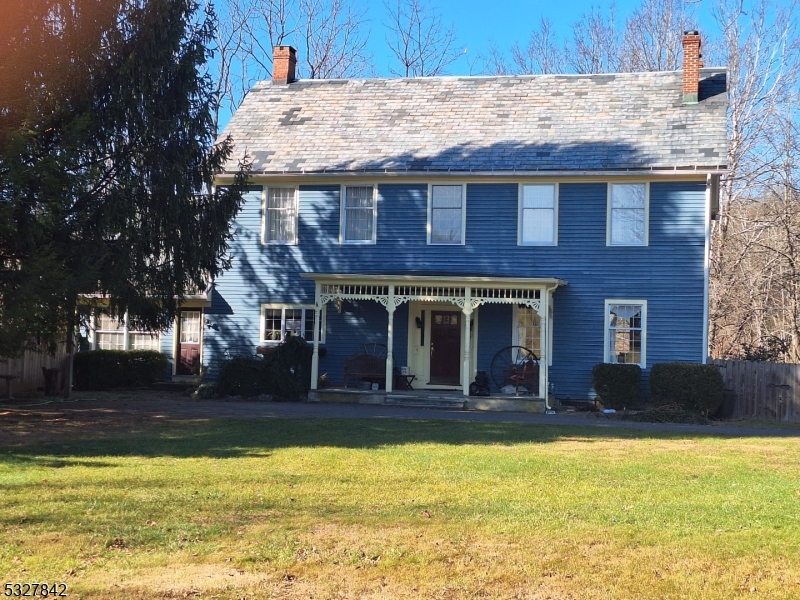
column 103, row 413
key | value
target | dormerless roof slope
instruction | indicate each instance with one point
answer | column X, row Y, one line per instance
column 630, row 121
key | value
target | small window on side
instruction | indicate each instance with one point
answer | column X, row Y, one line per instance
column 626, row 332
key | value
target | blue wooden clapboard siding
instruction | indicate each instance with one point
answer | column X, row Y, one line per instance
column 361, row 322
column 166, row 341
column 668, row 273
column 494, row 332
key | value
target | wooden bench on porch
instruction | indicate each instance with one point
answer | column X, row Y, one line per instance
column 368, row 363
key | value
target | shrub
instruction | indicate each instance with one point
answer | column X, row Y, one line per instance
column 243, row 376
column 696, row 388
column 205, row 391
column 99, row 369
column 284, row 373
column 617, row 385
column 668, row 414
column 294, row 355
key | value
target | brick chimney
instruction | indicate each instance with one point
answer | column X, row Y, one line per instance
column 284, row 61
column 692, row 63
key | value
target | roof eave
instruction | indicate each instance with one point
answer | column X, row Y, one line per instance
column 389, row 173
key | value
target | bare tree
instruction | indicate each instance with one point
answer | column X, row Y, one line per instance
column 654, row 34
column 335, row 39
column 419, row 40
column 542, row 54
column 752, row 249
column 271, row 23
column 331, row 37
column 596, row 43
column 231, row 40
column 494, row 62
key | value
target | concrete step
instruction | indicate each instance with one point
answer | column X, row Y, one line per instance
column 425, row 401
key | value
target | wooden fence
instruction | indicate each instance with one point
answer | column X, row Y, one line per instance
column 764, row 391
column 28, row 369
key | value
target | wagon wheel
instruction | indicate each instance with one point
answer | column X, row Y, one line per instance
column 507, row 360
column 372, row 349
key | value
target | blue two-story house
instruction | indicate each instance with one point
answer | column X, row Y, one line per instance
column 450, row 217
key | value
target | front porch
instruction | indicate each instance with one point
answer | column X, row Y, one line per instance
column 448, row 399
column 439, row 324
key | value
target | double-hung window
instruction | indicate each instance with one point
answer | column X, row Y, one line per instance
column 628, row 211
column 538, row 215
column 626, row 332
column 114, row 334
column 446, row 214
column 109, row 333
column 280, row 216
column 279, row 321
column 527, row 329
column 359, row 214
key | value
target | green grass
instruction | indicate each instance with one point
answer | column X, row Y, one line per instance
column 403, row 509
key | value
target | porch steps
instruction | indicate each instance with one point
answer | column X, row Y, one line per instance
column 423, row 400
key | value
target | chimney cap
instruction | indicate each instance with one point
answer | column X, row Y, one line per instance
column 691, row 32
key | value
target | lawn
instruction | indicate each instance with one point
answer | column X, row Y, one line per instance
column 402, row 509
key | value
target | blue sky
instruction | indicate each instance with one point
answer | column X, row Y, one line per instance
column 477, row 22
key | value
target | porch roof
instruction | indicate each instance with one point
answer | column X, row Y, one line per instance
column 447, row 280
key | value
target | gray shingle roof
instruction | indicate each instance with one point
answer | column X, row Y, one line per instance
column 544, row 122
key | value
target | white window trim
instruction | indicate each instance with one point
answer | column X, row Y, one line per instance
column 343, row 215
column 309, row 311
column 556, row 191
column 126, row 332
column 463, row 213
column 646, row 213
column 606, row 341
column 264, row 195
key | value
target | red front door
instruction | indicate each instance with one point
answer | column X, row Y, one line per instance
column 445, row 347
column 189, row 343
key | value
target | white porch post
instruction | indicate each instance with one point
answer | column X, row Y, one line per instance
column 390, row 341
column 543, row 310
column 315, row 354
column 465, row 369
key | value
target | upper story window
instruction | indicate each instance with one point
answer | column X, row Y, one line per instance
column 626, row 332
column 538, row 215
column 446, row 214
column 280, row 216
column 359, row 214
column 279, row 321
column 628, row 211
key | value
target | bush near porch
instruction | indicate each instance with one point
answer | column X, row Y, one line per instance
column 617, row 385
column 105, row 369
column 696, row 388
column 285, row 373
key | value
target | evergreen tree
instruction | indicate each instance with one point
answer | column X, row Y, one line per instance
column 106, row 164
